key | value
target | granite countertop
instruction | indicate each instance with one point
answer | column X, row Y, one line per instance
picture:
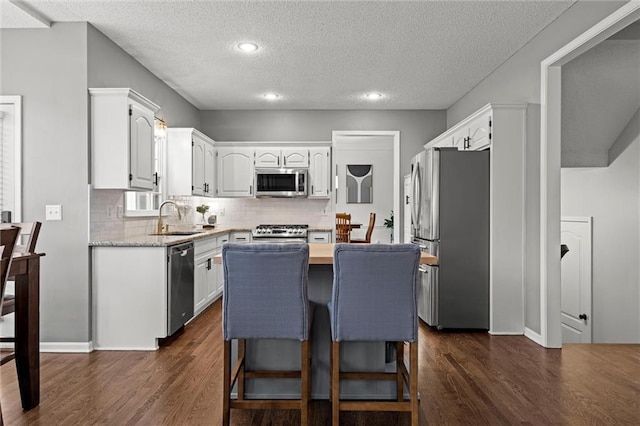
column 170, row 240
column 164, row 240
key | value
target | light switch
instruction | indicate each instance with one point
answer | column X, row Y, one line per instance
column 53, row 212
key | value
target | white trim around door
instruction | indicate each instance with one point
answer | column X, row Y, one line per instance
column 396, row 168
column 550, row 131
column 16, row 103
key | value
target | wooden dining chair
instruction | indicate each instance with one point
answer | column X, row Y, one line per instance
column 8, row 237
column 343, row 228
column 367, row 238
column 26, row 243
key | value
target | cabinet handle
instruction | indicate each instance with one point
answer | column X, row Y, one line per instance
column 312, row 189
column 278, row 161
column 406, row 199
column 209, row 264
column 155, row 178
column 250, row 189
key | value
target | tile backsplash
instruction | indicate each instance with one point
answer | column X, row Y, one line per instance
column 108, row 220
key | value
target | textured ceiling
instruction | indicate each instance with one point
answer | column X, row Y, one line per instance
column 600, row 94
column 316, row 54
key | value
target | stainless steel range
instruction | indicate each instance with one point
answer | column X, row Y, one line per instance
column 280, row 234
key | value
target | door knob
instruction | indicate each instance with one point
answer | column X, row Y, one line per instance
column 583, row 316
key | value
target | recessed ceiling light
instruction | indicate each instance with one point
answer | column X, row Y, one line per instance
column 271, row 96
column 373, row 96
column 248, row 47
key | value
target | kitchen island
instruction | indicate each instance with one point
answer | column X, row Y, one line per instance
column 285, row 354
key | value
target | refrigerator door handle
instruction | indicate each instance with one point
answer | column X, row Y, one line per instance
column 417, row 196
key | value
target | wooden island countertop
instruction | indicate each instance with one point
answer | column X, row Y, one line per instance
column 322, row 254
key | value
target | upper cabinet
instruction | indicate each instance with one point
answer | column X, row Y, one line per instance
column 235, row 171
column 473, row 133
column 122, row 140
column 190, row 163
column 285, row 157
column 319, row 172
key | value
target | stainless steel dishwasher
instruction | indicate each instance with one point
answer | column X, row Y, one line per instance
column 180, row 285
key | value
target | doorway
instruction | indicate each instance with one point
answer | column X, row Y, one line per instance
column 375, row 149
column 550, row 145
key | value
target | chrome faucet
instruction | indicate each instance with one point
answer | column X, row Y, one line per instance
column 159, row 227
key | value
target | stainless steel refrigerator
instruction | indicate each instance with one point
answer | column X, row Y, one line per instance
column 450, row 219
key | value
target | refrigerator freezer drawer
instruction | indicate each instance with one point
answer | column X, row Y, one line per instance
column 428, row 295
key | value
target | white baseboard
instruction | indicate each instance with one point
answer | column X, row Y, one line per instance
column 505, row 333
column 533, row 336
column 66, row 347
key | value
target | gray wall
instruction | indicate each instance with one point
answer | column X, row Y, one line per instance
column 110, row 66
column 518, row 81
column 416, row 127
column 611, row 195
column 48, row 68
column 52, row 70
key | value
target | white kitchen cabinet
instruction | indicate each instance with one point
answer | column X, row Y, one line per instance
column 122, row 140
column 281, row 157
column 207, row 274
column 234, row 167
column 129, row 295
column 240, row 237
column 321, row 237
column 319, row 172
column 472, row 134
column 190, row 163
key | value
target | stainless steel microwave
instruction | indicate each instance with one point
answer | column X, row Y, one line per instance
column 289, row 183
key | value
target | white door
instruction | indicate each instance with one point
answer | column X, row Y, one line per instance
column 198, row 164
column 209, row 169
column 576, row 280
column 407, row 209
column 235, row 172
column 319, row 173
column 142, row 148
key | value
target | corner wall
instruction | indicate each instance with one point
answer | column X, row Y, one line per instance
column 48, row 68
column 518, row 81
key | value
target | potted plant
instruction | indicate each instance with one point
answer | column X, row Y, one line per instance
column 388, row 223
column 202, row 209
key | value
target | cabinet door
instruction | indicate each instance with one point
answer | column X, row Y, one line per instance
column 212, row 279
column 209, row 169
column 200, row 284
column 295, row 157
column 480, row 132
column 218, row 266
column 319, row 172
column 198, row 166
column 235, row 172
column 268, row 157
column 460, row 139
column 142, row 148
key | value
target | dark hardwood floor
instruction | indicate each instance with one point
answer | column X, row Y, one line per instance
column 465, row 378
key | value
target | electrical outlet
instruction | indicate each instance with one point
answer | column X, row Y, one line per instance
column 221, row 212
column 53, row 212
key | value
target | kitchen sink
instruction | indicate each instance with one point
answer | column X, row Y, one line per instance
column 173, row 233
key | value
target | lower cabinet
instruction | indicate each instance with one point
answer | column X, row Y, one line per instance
column 321, row 237
column 207, row 274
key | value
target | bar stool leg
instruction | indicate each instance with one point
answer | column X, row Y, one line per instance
column 226, row 382
column 413, row 386
column 335, row 383
column 304, row 383
column 241, row 354
column 399, row 376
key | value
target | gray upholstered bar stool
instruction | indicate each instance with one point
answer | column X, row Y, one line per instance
column 374, row 299
column 265, row 297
